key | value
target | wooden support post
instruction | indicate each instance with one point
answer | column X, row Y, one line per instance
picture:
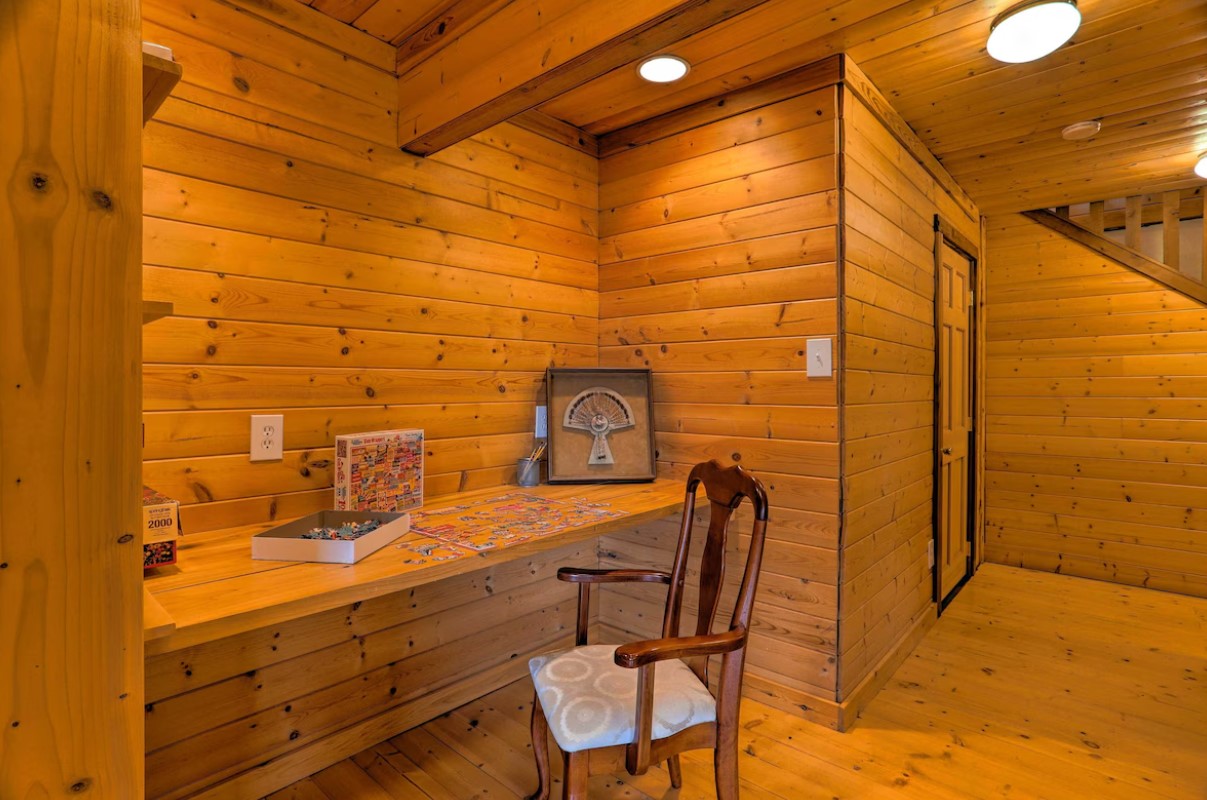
column 1062, row 212
column 1171, row 217
column 1097, row 216
column 1132, row 221
column 71, row 668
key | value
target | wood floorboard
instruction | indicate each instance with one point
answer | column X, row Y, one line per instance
column 1032, row 685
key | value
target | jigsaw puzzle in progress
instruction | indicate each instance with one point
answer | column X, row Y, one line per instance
column 508, row 519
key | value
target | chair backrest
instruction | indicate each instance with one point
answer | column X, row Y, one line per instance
column 725, row 488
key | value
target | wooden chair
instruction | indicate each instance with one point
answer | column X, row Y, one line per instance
column 609, row 707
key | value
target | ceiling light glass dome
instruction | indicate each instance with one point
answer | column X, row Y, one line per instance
column 1032, row 30
column 663, row 69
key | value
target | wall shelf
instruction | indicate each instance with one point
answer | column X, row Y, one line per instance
column 155, row 309
column 159, row 77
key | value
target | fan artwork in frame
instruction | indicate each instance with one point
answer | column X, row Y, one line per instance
column 600, row 426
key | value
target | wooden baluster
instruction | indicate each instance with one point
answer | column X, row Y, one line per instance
column 1132, row 219
column 1203, row 254
column 1097, row 219
column 1171, row 215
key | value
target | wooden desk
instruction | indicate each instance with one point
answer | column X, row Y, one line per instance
column 274, row 670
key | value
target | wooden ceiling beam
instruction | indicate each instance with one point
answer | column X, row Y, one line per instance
column 535, row 122
column 343, row 10
column 454, row 21
column 533, row 50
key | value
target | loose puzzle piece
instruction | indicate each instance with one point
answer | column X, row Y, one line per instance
column 427, row 551
column 349, row 531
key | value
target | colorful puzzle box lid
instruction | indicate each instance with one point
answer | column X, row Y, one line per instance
column 150, row 497
column 379, row 470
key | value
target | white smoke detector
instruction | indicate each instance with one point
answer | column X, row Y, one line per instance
column 1081, row 130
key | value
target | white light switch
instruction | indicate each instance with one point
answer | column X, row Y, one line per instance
column 819, row 358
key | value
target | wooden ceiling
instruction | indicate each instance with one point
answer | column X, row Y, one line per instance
column 1140, row 66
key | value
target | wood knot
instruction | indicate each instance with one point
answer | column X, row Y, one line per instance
column 39, row 181
column 241, row 84
column 102, row 200
column 125, row 538
column 81, row 786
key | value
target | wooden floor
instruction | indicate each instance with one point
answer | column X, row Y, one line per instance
column 1031, row 685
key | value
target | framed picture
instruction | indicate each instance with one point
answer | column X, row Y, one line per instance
column 600, row 426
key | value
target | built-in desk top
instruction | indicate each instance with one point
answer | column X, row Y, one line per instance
column 217, row 590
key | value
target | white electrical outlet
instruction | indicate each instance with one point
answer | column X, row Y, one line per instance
column 541, row 429
column 267, row 437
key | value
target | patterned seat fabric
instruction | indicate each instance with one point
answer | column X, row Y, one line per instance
column 591, row 702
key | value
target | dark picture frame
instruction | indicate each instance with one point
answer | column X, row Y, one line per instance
column 601, row 425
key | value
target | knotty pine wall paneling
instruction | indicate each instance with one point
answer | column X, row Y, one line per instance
column 890, row 198
column 70, row 573
column 1097, row 415
column 318, row 272
column 248, row 714
column 719, row 229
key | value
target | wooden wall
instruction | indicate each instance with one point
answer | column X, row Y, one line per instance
column 1096, row 408
column 70, row 593
column 250, row 713
column 890, row 199
column 320, row 273
column 717, row 261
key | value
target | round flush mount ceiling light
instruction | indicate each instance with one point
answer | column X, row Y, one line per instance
column 663, row 69
column 1081, row 130
column 1200, row 168
column 1033, row 29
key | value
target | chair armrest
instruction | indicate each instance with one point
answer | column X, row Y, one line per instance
column 638, row 654
column 583, row 575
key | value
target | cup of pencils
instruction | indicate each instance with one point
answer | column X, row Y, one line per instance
column 528, row 470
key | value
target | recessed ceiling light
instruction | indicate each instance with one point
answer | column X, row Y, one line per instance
column 1200, row 168
column 1033, row 29
column 1081, row 130
column 663, row 69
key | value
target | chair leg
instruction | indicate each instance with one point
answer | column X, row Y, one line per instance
column 540, row 749
column 725, row 766
column 672, row 766
column 576, row 775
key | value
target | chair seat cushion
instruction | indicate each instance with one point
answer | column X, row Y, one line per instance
column 591, row 702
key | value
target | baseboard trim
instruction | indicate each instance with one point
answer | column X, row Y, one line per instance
column 875, row 680
column 821, row 710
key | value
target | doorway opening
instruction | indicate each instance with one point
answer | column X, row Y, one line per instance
column 955, row 411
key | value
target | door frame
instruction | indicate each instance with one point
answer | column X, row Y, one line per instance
column 946, row 234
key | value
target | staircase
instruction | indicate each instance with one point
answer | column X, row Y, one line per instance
column 1160, row 235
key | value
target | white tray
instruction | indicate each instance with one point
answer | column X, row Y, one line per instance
column 284, row 543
